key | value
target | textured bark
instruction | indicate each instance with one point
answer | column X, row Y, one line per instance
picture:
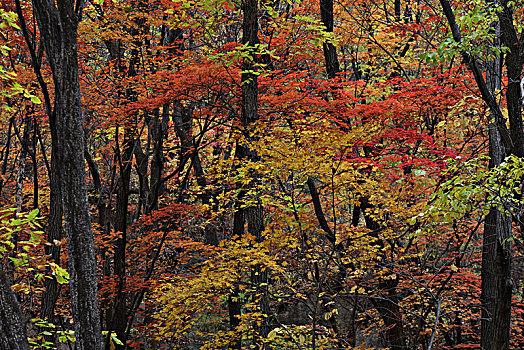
column 182, row 118
column 20, row 172
column 249, row 114
column 54, row 228
column 496, row 288
column 157, row 163
column 58, row 28
column 117, row 318
column 249, row 80
column 12, row 328
column 54, row 234
column 34, row 161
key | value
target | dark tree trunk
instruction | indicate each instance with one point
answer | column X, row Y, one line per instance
column 54, row 228
column 514, row 61
column 249, row 114
column 117, row 318
column 387, row 304
column 58, row 28
column 54, row 235
column 182, row 118
column 497, row 286
column 398, row 11
column 330, row 51
column 496, row 268
column 35, row 166
column 158, row 129
column 12, row 326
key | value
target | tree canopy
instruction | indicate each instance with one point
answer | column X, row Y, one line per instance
column 254, row 174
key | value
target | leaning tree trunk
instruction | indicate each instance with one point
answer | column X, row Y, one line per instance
column 58, row 29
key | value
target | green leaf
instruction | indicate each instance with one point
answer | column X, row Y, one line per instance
column 34, row 212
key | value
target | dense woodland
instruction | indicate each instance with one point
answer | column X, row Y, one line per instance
column 261, row 174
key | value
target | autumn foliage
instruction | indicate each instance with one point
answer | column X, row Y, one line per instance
column 366, row 240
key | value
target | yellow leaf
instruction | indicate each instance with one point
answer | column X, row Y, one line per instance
column 301, row 339
column 272, row 335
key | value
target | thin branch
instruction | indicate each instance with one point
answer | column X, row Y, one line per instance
column 437, row 316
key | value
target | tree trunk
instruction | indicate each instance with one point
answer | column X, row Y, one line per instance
column 330, row 51
column 398, row 10
column 54, row 235
column 253, row 214
column 514, row 62
column 496, row 248
column 496, row 288
column 58, row 28
column 12, row 327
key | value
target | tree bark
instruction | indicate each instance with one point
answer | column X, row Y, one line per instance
column 54, row 229
column 496, row 287
column 249, row 114
column 54, row 235
column 58, row 28
column 12, row 326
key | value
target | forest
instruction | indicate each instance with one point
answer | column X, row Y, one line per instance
column 261, row 174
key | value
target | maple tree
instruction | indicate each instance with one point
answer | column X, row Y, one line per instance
column 261, row 174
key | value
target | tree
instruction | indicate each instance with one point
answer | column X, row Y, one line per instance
column 497, row 249
column 14, row 334
column 58, row 26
